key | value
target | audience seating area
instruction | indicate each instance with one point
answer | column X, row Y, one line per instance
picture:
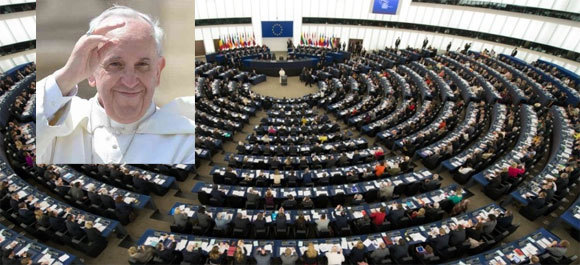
column 356, row 166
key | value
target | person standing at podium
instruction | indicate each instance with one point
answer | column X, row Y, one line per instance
column 282, row 73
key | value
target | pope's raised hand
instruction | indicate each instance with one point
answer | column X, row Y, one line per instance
column 85, row 57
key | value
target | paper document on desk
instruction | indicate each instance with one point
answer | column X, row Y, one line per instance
column 181, row 245
column 417, row 237
column 151, row 241
column 324, row 247
column 63, row 257
column 47, row 258
column 100, row 227
column 43, row 205
column 267, row 248
column 248, row 248
column 367, row 242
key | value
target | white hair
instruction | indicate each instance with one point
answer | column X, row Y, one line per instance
column 127, row 12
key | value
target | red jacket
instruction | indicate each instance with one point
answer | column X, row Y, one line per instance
column 515, row 172
column 378, row 217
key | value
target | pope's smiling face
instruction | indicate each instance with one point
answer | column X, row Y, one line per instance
column 129, row 71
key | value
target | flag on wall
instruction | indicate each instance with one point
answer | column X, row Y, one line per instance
column 385, row 6
column 277, row 29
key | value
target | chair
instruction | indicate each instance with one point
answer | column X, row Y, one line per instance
column 301, row 233
column 371, row 196
column 239, row 232
column 182, row 230
column 281, row 232
column 251, row 205
column 261, row 232
column 532, row 213
column 344, row 231
column 215, row 202
column 412, row 188
column 320, row 234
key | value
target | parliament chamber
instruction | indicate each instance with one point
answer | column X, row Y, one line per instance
column 393, row 150
column 399, row 141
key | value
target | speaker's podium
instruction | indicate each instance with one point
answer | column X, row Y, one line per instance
column 284, row 80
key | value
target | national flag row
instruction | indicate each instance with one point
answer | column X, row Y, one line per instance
column 320, row 40
column 238, row 40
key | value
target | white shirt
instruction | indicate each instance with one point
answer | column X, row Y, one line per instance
column 334, row 258
column 80, row 131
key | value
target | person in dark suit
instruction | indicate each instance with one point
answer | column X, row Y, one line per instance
column 218, row 195
column 281, row 219
column 439, row 241
column 457, row 235
column 259, row 223
column 430, row 184
column 193, row 255
column 539, row 202
column 357, row 254
column 60, row 188
column 548, row 188
column 505, row 220
column 341, row 220
column 77, row 192
column 432, row 209
column 396, row 214
column 203, row 219
column 93, row 195
column 165, row 253
column 140, row 183
column 241, row 222
column 94, row 235
column 399, row 250
column 15, row 202
column 57, row 221
column 290, row 203
column 122, row 209
column 307, row 177
column 9, row 257
column 26, row 214
column 514, row 52
column 73, row 228
column 562, row 183
column 252, row 198
column 41, row 218
column 230, row 176
column 107, row 201
column 3, row 189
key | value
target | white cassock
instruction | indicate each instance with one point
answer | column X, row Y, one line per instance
column 282, row 73
column 80, row 131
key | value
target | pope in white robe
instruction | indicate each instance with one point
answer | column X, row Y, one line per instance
column 121, row 57
column 281, row 73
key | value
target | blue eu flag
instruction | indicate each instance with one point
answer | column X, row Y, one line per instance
column 385, row 6
column 277, row 29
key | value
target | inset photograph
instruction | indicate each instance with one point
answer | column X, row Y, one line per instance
column 114, row 86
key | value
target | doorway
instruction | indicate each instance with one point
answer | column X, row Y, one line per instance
column 355, row 45
column 199, row 48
